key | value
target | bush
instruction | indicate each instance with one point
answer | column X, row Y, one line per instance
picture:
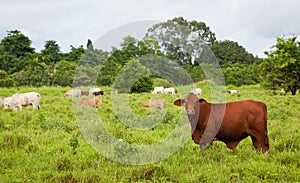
column 142, row 85
column 133, row 77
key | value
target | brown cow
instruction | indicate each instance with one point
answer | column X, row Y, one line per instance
column 84, row 93
column 156, row 103
column 93, row 102
column 240, row 120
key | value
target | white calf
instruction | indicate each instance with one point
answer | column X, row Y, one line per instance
column 170, row 90
column 158, row 89
column 196, row 91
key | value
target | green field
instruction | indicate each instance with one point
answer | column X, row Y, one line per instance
column 49, row 146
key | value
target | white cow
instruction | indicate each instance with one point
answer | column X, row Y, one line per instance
column 6, row 101
column 233, row 91
column 158, row 89
column 173, row 91
column 94, row 90
column 196, row 91
column 24, row 99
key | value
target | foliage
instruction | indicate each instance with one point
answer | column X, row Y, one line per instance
column 51, row 53
column 74, row 54
column 63, row 73
column 145, row 84
column 108, row 72
column 241, row 74
column 89, row 45
column 5, row 80
column 181, row 40
column 16, row 44
column 282, row 66
column 230, row 52
column 177, row 50
column 133, row 77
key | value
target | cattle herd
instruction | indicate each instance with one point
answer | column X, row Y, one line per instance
column 227, row 122
column 18, row 100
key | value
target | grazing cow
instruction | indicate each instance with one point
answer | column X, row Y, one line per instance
column 156, row 103
column 158, row 89
column 72, row 93
column 230, row 91
column 24, row 99
column 84, row 93
column 241, row 119
column 6, row 100
column 93, row 102
column 95, row 91
column 196, row 91
column 98, row 93
column 173, row 91
column 2, row 100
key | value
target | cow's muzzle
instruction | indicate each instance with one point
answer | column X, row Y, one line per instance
column 190, row 112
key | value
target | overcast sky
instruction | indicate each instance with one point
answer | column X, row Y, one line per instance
column 254, row 24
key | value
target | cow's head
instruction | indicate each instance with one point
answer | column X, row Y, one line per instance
column 6, row 105
column 191, row 103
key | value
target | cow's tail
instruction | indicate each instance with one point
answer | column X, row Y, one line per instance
column 266, row 141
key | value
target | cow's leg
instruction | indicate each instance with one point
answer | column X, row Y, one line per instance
column 232, row 144
column 260, row 142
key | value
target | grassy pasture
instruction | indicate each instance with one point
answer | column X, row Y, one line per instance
column 48, row 145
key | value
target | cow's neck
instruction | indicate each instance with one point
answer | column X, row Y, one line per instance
column 200, row 120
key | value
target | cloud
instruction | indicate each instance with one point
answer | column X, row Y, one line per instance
column 254, row 24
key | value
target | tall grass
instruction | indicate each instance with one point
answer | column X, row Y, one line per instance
column 49, row 145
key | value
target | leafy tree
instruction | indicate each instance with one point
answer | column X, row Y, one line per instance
column 282, row 66
column 36, row 74
column 162, row 67
column 64, row 73
column 196, row 72
column 16, row 44
column 15, row 50
column 108, row 72
column 145, row 84
column 241, row 74
column 93, row 58
column 133, row 48
column 51, row 53
column 133, row 77
column 75, row 54
column 5, row 80
column 89, row 45
column 182, row 40
column 230, row 52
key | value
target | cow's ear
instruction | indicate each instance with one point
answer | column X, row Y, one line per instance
column 179, row 102
column 202, row 101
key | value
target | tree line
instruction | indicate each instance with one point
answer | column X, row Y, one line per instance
column 181, row 41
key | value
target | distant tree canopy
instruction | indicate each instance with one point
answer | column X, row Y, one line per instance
column 230, row 52
column 133, row 78
column 180, row 39
column 15, row 50
column 177, row 50
column 282, row 66
column 51, row 53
